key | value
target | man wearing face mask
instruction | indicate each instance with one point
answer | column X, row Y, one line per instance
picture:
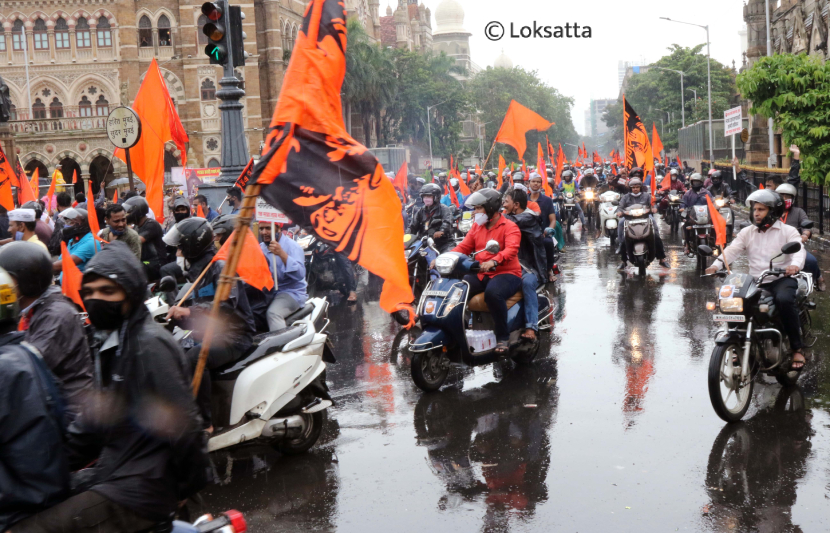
column 695, row 196
column 143, row 429
column 547, row 219
column 118, row 230
column 78, row 239
column 22, row 226
column 641, row 197
column 234, row 200
column 500, row 276
column 793, row 216
column 434, row 219
column 446, row 200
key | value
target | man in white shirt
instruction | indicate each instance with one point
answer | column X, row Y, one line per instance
column 760, row 243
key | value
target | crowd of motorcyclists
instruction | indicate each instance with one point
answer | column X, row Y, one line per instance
column 122, row 442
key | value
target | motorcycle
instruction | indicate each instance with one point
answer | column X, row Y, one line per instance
column 589, row 195
column 750, row 339
column 641, row 248
column 722, row 205
column 419, row 254
column 277, row 392
column 458, row 331
column 672, row 216
column 701, row 232
column 569, row 215
column 321, row 271
column 608, row 215
column 228, row 522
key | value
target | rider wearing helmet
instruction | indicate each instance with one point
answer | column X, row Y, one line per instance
column 641, row 197
column 194, row 239
column 223, row 226
column 52, row 324
column 795, row 216
column 718, row 186
column 696, row 195
column 153, row 251
column 568, row 184
column 500, row 276
column 761, row 242
column 434, row 219
column 456, row 187
column 674, row 185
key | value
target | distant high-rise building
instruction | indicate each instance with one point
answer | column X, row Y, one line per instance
column 622, row 66
column 594, row 125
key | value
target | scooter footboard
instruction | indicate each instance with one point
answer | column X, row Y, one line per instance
column 431, row 338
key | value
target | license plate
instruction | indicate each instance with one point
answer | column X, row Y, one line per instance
column 436, row 294
column 569, row 205
column 729, row 318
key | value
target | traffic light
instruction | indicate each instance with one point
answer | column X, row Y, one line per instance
column 217, row 48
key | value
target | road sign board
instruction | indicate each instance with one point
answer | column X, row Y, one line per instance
column 267, row 213
column 732, row 121
column 123, row 127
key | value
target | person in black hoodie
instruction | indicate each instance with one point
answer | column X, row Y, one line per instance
column 141, row 427
column 34, row 472
column 532, row 254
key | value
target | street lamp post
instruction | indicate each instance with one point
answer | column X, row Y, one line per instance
column 769, row 121
column 682, row 96
column 429, row 133
column 481, row 139
column 708, row 83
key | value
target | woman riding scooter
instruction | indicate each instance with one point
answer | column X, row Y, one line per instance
column 500, row 276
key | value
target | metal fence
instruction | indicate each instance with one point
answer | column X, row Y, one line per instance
column 811, row 198
column 693, row 141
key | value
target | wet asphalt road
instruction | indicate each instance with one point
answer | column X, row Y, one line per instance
column 611, row 430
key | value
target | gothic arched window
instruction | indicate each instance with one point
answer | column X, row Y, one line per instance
column 82, row 39
column 85, row 107
column 56, row 108
column 18, row 35
column 208, row 90
column 102, row 106
column 164, row 31
column 38, row 109
column 145, row 32
column 104, row 32
column 41, row 38
column 61, row 34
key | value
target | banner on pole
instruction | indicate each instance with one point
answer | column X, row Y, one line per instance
column 268, row 213
column 732, row 121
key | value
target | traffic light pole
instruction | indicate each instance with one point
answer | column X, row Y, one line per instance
column 234, row 143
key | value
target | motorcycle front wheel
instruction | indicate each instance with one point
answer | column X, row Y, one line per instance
column 729, row 404
column 427, row 371
column 640, row 260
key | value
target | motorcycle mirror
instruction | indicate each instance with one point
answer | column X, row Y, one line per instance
column 167, row 284
column 705, row 250
column 806, row 224
column 492, row 247
column 430, row 241
column 791, row 248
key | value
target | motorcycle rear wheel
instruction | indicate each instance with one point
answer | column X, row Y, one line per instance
column 307, row 438
column 427, row 371
column 720, row 392
column 640, row 261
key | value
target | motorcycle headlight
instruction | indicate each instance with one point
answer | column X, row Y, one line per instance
column 732, row 305
column 306, row 241
column 589, row 195
column 445, row 264
column 637, row 212
column 720, row 202
column 452, row 300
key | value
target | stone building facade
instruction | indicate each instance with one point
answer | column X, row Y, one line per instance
column 67, row 64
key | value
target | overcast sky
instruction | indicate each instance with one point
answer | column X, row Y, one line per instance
column 629, row 31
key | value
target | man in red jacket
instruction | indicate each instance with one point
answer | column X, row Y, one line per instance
column 500, row 276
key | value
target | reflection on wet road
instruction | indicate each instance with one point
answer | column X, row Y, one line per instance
column 611, row 431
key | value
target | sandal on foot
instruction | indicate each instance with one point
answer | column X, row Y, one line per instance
column 502, row 347
column 529, row 335
column 800, row 363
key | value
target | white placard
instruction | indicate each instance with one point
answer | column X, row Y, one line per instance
column 123, row 127
column 732, row 121
column 267, row 213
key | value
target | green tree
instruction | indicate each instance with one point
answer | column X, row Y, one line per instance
column 656, row 92
column 794, row 90
column 494, row 88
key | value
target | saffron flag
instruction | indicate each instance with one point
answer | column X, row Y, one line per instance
column 52, row 185
column 761, row 187
column 242, row 180
column 502, row 166
column 159, row 124
column 450, row 190
column 597, row 158
column 94, row 227
column 200, row 212
column 584, row 151
column 115, row 197
column 6, row 180
column 524, row 168
column 560, row 164
column 679, row 164
column 666, row 184
column 465, row 190
column 25, row 193
column 517, row 122
column 71, row 281
column 35, row 183
column 637, row 146
column 656, row 143
column 317, row 174
column 478, row 170
column 400, row 181
column 75, row 177
column 718, row 222
column 252, row 267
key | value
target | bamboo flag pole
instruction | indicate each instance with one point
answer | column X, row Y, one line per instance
column 228, row 276
column 193, row 285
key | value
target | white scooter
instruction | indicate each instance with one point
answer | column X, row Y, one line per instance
column 276, row 393
column 608, row 214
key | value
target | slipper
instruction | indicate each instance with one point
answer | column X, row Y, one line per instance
column 525, row 336
column 799, row 363
column 502, row 347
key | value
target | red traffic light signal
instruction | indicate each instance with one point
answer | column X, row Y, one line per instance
column 212, row 11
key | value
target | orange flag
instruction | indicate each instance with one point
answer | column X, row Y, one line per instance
column 478, row 169
column 524, row 168
column 115, row 197
column 450, row 190
column 760, row 186
column 94, row 227
column 502, row 165
column 252, row 267
column 35, row 183
column 24, row 193
column 51, row 192
column 465, row 190
column 560, row 164
column 75, row 177
column 159, row 124
column 71, row 281
column 200, row 212
column 666, row 184
column 718, row 222
column 517, row 122
column 7, row 176
column 656, row 143
column 400, row 182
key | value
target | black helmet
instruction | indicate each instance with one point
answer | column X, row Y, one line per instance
column 431, row 189
column 489, row 199
column 636, row 172
column 223, row 226
column 770, row 199
column 195, row 237
column 137, row 208
column 9, row 308
column 30, row 265
column 33, row 204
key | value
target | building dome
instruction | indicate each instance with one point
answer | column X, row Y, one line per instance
column 503, row 62
column 388, row 11
column 449, row 18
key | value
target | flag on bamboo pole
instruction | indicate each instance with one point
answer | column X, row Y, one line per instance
column 450, row 191
column 159, row 124
column 245, row 175
column 637, row 146
column 200, row 212
column 656, row 143
column 6, row 178
column 115, row 197
column 24, row 192
column 52, row 186
column 517, row 122
column 502, row 166
column 75, row 177
column 400, row 182
column 71, row 280
column 252, row 267
column 560, row 164
column 317, row 174
column 718, row 222
column 35, row 183
column 462, row 186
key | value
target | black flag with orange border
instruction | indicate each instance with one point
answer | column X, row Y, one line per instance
column 317, row 174
column 637, row 145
